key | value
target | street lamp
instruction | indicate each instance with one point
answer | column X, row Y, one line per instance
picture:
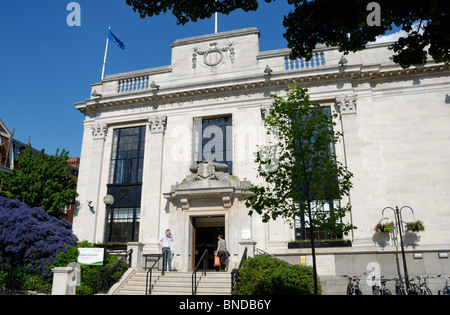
column 399, row 223
column 109, row 201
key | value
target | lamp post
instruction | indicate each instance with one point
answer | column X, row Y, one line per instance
column 399, row 223
column 109, row 201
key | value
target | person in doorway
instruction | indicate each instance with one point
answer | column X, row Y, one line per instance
column 164, row 241
column 222, row 252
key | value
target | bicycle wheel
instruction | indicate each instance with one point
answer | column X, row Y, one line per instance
column 375, row 290
column 387, row 292
column 358, row 292
column 427, row 291
column 413, row 289
column 349, row 290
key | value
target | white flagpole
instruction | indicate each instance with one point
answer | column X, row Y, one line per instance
column 216, row 20
column 106, row 53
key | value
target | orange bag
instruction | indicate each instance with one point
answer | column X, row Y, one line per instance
column 216, row 261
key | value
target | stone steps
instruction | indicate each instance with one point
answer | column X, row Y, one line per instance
column 177, row 283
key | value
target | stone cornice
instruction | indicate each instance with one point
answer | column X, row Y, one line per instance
column 307, row 77
column 209, row 37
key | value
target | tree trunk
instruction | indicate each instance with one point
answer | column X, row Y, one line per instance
column 313, row 248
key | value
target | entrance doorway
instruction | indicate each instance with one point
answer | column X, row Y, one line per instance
column 205, row 233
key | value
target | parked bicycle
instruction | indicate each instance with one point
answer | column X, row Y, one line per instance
column 353, row 286
column 446, row 290
column 422, row 287
column 400, row 288
column 380, row 289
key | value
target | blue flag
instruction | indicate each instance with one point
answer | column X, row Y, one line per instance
column 117, row 41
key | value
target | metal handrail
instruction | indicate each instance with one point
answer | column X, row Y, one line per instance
column 203, row 259
column 235, row 271
column 106, row 277
column 148, row 288
column 263, row 253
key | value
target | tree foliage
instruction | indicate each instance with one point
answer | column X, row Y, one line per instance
column 30, row 238
column 42, row 181
column 313, row 22
column 191, row 10
column 300, row 169
column 329, row 21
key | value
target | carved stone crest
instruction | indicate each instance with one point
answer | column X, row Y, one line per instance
column 208, row 181
column 213, row 56
column 207, row 171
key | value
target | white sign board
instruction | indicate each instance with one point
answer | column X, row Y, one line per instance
column 246, row 234
column 90, row 256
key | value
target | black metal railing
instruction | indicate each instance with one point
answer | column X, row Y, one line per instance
column 204, row 260
column 235, row 271
column 148, row 281
column 107, row 278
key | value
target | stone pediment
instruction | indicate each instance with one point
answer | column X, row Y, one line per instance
column 208, row 181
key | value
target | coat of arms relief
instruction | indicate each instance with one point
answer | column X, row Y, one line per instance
column 213, row 56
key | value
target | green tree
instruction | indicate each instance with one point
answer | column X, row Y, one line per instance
column 300, row 170
column 42, row 181
column 313, row 22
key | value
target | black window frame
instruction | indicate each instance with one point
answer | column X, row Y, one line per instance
column 225, row 123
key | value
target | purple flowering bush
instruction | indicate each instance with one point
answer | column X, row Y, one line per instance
column 30, row 238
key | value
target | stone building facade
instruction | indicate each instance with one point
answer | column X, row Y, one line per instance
column 150, row 137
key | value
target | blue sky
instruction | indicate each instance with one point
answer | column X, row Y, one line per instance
column 47, row 66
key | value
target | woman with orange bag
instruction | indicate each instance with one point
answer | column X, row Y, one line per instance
column 222, row 253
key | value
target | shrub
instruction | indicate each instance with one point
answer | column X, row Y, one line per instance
column 264, row 275
column 30, row 239
column 89, row 274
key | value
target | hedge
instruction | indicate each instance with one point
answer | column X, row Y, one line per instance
column 265, row 275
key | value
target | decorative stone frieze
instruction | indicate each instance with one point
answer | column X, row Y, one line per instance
column 214, row 55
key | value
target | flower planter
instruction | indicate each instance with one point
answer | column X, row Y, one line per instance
column 416, row 226
column 384, row 228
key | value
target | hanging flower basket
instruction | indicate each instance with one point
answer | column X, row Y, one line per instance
column 416, row 226
column 385, row 228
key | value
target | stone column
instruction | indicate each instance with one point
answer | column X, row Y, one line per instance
column 137, row 255
column 64, row 280
column 151, row 188
column 86, row 220
column 347, row 107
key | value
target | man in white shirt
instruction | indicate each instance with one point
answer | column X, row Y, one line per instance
column 164, row 241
